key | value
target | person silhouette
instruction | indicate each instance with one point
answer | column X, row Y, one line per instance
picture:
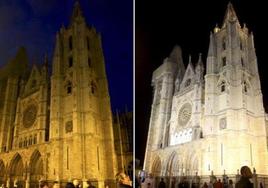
column 244, row 182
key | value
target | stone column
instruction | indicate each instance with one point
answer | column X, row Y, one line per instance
column 27, row 182
column 8, row 182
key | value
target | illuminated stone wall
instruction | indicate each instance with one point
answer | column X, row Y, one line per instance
column 214, row 122
column 58, row 128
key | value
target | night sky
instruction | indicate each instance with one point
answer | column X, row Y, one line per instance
column 162, row 24
column 34, row 23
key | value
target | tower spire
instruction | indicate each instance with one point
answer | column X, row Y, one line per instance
column 212, row 49
column 77, row 12
column 200, row 59
column 57, row 45
column 230, row 15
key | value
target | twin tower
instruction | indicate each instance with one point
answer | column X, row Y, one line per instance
column 58, row 128
column 213, row 123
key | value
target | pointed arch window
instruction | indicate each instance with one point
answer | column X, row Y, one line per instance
column 30, row 140
column 70, row 40
column 224, row 61
column 223, row 86
column 224, row 43
column 20, row 144
column 25, row 142
column 187, row 83
column 242, row 62
column 35, row 139
column 245, row 87
column 241, row 45
column 70, row 61
column 93, row 87
column 89, row 62
column 69, row 87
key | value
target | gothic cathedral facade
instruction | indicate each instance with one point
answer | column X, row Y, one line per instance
column 214, row 122
column 59, row 128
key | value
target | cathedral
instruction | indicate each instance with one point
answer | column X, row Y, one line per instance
column 209, row 121
column 57, row 126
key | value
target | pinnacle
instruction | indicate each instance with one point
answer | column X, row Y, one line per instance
column 230, row 14
column 77, row 12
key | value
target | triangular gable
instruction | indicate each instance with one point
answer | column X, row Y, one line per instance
column 189, row 76
column 33, row 81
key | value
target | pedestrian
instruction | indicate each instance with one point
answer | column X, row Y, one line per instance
column 184, row 183
column 69, row 185
column 149, row 180
column 205, row 185
column 173, row 183
column 218, row 184
column 76, row 183
column 244, row 182
column 210, row 185
column 230, row 185
column 89, row 185
column 162, row 184
column 44, row 184
column 56, row 184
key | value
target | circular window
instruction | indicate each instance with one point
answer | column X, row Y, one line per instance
column 185, row 114
column 29, row 115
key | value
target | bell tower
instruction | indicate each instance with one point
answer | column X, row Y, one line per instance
column 233, row 98
column 81, row 120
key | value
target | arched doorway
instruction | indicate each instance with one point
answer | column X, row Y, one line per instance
column 2, row 172
column 36, row 169
column 174, row 169
column 16, row 171
column 156, row 169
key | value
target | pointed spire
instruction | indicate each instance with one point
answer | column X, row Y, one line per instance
column 57, row 46
column 190, row 62
column 200, row 65
column 175, row 54
column 77, row 13
column 200, row 59
column 190, row 58
column 212, row 49
column 230, row 15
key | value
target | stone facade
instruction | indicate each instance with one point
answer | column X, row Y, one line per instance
column 58, row 128
column 213, row 122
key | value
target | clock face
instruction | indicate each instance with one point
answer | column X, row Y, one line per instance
column 29, row 116
column 185, row 114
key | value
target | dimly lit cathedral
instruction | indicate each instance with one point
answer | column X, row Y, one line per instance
column 209, row 122
column 58, row 126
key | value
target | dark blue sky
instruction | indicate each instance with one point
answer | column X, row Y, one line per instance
column 33, row 24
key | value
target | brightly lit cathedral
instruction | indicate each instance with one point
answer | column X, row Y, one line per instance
column 213, row 122
column 59, row 127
